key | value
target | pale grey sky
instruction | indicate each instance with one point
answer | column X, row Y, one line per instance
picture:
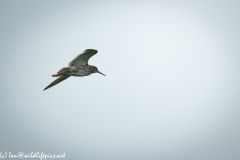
column 171, row 90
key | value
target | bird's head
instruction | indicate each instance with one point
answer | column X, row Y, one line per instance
column 95, row 70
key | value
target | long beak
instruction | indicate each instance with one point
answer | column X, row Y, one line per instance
column 101, row 73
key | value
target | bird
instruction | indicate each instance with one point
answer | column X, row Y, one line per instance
column 77, row 67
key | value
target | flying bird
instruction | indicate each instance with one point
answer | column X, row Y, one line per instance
column 77, row 67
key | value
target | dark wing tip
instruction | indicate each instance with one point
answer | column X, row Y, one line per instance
column 56, row 81
column 49, row 86
column 45, row 88
column 82, row 58
column 91, row 50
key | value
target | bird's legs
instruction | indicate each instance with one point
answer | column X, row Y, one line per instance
column 62, row 71
column 59, row 74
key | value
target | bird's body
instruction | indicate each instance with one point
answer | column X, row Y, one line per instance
column 77, row 67
column 81, row 71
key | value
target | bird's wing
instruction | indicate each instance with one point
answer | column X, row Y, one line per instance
column 82, row 59
column 60, row 79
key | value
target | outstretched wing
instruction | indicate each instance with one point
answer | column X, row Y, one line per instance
column 82, row 59
column 60, row 79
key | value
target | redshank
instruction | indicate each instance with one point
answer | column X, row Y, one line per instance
column 77, row 67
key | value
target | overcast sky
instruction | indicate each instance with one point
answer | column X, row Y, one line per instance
column 171, row 90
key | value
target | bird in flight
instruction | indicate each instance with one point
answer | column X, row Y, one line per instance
column 77, row 67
